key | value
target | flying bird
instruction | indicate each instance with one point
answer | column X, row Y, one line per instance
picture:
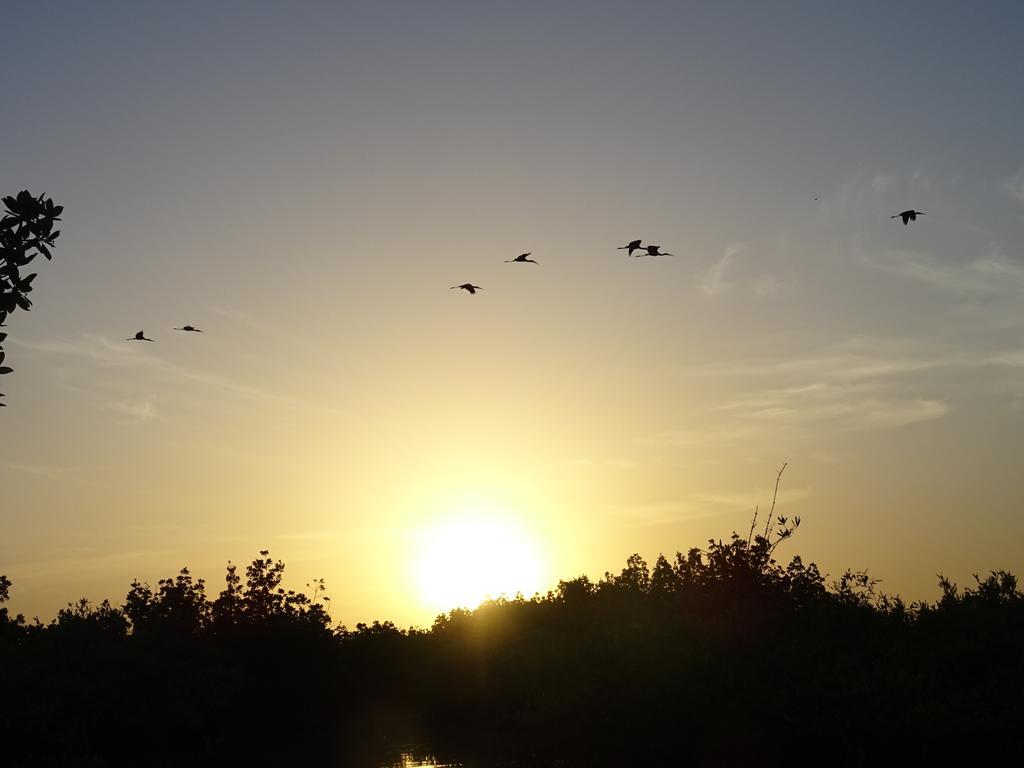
column 521, row 258
column 468, row 287
column 652, row 250
column 633, row 245
column 140, row 336
column 908, row 216
column 189, row 328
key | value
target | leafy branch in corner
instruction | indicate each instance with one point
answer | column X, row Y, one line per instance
column 26, row 231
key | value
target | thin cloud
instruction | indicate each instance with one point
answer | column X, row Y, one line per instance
column 89, row 564
column 766, row 285
column 136, row 411
column 717, row 281
column 702, row 505
column 264, row 329
column 1014, row 186
column 861, row 384
column 307, row 535
column 105, row 353
column 992, row 273
column 835, row 406
column 715, row 434
column 48, row 471
column 841, row 366
column 726, row 274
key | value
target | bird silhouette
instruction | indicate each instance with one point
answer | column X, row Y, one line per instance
column 652, row 250
column 140, row 336
column 468, row 287
column 908, row 216
column 521, row 258
column 189, row 328
column 632, row 246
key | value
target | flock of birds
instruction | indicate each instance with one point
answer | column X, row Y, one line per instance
column 524, row 258
column 141, row 335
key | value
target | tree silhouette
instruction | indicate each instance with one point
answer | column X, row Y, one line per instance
column 26, row 231
column 721, row 655
column 179, row 606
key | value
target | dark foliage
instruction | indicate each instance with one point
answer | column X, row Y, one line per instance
column 26, row 231
column 718, row 656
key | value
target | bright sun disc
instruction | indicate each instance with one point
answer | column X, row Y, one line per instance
column 463, row 562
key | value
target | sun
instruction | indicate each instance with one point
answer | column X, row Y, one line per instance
column 462, row 562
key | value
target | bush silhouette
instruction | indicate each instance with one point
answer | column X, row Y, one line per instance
column 719, row 655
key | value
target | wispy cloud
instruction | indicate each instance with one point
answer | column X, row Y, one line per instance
column 766, row 285
column 861, row 384
column 82, row 476
column 989, row 274
column 264, row 329
column 717, row 280
column 606, row 464
column 84, row 564
column 1014, row 186
column 855, row 358
column 105, row 353
column 307, row 535
column 731, row 272
column 703, row 504
column 840, row 407
column 136, row 411
column 718, row 433
column 881, row 182
column 48, row 471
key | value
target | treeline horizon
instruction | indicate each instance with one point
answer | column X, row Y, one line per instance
column 719, row 655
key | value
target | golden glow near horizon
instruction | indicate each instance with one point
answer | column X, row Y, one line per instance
column 474, row 555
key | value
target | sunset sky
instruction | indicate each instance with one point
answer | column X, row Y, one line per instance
column 305, row 183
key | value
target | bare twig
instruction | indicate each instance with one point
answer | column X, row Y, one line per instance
column 775, row 496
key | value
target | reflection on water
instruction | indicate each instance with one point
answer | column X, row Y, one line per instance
column 412, row 760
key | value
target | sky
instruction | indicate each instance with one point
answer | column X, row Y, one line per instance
column 304, row 183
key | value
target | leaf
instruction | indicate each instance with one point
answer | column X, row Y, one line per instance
column 5, row 370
